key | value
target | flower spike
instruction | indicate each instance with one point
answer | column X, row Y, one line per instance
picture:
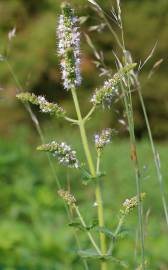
column 102, row 139
column 69, row 47
column 105, row 94
column 62, row 152
column 44, row 105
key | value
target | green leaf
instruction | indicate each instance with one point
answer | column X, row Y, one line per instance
column 122, row 232
column 89, row 254
column 78, row 225
column 92, row 254
column 87, row 177
column 106, row 231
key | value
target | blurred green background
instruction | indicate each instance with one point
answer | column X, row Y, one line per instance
column 34, row 232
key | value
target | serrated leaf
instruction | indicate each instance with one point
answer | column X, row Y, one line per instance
column 93, row 225
column 89, row 253
column 76, row 225
column 106, row 231
column 86, row 175
column 122, row 232
column 92, row 254
column 83, row 228
column 118, row 261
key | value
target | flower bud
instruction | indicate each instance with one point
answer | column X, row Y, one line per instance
column 67, row 197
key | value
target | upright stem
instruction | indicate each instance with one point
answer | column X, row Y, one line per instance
column 88, row 233
column 129, row 112
column 156, row 161
column 93, row 173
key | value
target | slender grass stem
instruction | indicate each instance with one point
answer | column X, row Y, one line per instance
column 111, row 29
column 155, row 156
column 129, row 112
column 88, row 233
column 85, row 263
column 93, row 173
column 111, row 247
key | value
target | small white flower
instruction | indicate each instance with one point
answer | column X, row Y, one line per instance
column 102, row 139
column 126, row 203
column 95, row 204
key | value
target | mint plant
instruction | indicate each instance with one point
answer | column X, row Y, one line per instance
column 118, row 85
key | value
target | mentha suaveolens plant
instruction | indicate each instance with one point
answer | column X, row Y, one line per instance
column 68, row 40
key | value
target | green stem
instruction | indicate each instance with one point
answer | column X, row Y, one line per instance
column 121, row 221
column 156, row 161
column 71, row 120
column 129, row 112
column 93, row 173
column 89, row 114
column 88, row 233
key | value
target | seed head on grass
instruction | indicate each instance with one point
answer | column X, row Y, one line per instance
column 63, row 152
column 69, row 47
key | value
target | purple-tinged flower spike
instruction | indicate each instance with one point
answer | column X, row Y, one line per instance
column 62, row 152
column 102, row 139
column 69, row 47
column 105, row 95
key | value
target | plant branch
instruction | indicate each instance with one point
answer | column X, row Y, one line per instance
column 93, row 173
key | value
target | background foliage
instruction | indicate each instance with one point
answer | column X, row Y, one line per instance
column 33, row 54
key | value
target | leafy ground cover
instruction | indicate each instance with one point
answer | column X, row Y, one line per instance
column 33, row 221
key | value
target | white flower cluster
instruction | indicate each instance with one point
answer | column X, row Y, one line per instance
column 130, row 204
column 48, row 107
column 106, row 95
column 69, row 48
column 109, row 90
column 102, row 139
column 66, row 155
column 45, row 106
column 62, row 152
column 127, row 203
